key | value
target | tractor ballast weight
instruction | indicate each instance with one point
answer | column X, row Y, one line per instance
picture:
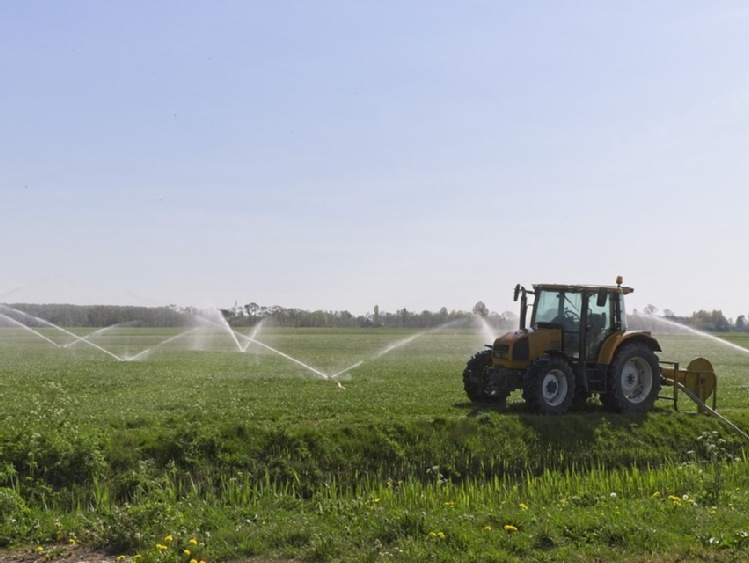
column 574, row 345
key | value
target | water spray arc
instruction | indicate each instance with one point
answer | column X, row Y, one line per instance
column 282, row 354
column 65, row 331
column 25, row 327
column 394, row 346
column 253, row 334
column 95, row 333
column 674, row 326
column 215, row 318
column 144, row 353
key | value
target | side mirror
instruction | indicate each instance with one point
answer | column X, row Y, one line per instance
column 603, row 296
column 516, row 293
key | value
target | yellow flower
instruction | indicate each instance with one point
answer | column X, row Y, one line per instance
column 161, row 547
column 488, row 528
column 186, row 552
column 71, row 541
column 450, row 503
column 432, row 534
column 523, row 506
column 201, row 561
column 121, row 557
column 193, row 541
column 39, row 549
column 441, row 535
column 510, row 528
column 167, row 539
column 193, row 561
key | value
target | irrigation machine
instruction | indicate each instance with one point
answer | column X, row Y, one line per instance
column 577, row 345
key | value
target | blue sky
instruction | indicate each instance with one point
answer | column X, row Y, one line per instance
column 337, row 155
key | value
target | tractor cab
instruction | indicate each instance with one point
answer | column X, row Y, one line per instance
column 573, row 319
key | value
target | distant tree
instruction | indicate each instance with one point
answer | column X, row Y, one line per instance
column 650, row 309
column 709, row 320
column 741, row 323
column 668, row 313
column 480, row 309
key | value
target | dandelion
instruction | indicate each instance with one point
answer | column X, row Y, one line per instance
column 121, row 557
column 193, row 561
column 186, row 552
column 613, row 495
column 450, row 504
column 168, row 539
column 523, row 507
column 488, row 528
column 161, row 547
column 71, row 541
column 39, row 549
column 432, row 534
column 656, row 494
column 441, row 535
column 193, row 541
column 510, row 528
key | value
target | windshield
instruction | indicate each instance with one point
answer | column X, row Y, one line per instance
column 556, row 307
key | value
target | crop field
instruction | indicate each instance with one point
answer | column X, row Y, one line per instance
column 350, row 445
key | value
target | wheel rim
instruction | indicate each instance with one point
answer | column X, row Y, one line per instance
column 637, row 380
column 554, row 387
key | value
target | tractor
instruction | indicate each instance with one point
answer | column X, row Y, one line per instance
column 576, row 345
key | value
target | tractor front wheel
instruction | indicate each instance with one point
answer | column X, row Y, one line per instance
column 476, row 380
column 549, row 385
column 634, row 379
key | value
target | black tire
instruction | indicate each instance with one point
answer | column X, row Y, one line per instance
column 634, row 379
column 549, row 385
column 476, row 381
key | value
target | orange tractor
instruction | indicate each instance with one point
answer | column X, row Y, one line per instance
column 577, row 345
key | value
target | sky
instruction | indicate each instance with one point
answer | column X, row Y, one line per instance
column 339, row 155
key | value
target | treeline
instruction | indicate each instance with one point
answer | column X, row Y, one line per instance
column 252, row 313
column 92, row 316
column 100, row 316
column 709, row 321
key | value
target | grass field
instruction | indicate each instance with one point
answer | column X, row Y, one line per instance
column 197, row 450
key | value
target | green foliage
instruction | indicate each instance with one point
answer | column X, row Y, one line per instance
column 254, row 454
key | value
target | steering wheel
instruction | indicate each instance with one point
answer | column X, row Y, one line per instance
column 571, row 316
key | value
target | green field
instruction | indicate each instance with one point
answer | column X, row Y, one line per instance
column 196, row 445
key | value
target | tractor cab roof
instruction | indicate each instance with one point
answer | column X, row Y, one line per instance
column 583, row 288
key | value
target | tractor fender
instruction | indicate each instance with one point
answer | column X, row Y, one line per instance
column 616, row 339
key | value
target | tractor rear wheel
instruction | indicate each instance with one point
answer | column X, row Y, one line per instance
column 549, row 385
column 634, row 379
column 476, row 380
